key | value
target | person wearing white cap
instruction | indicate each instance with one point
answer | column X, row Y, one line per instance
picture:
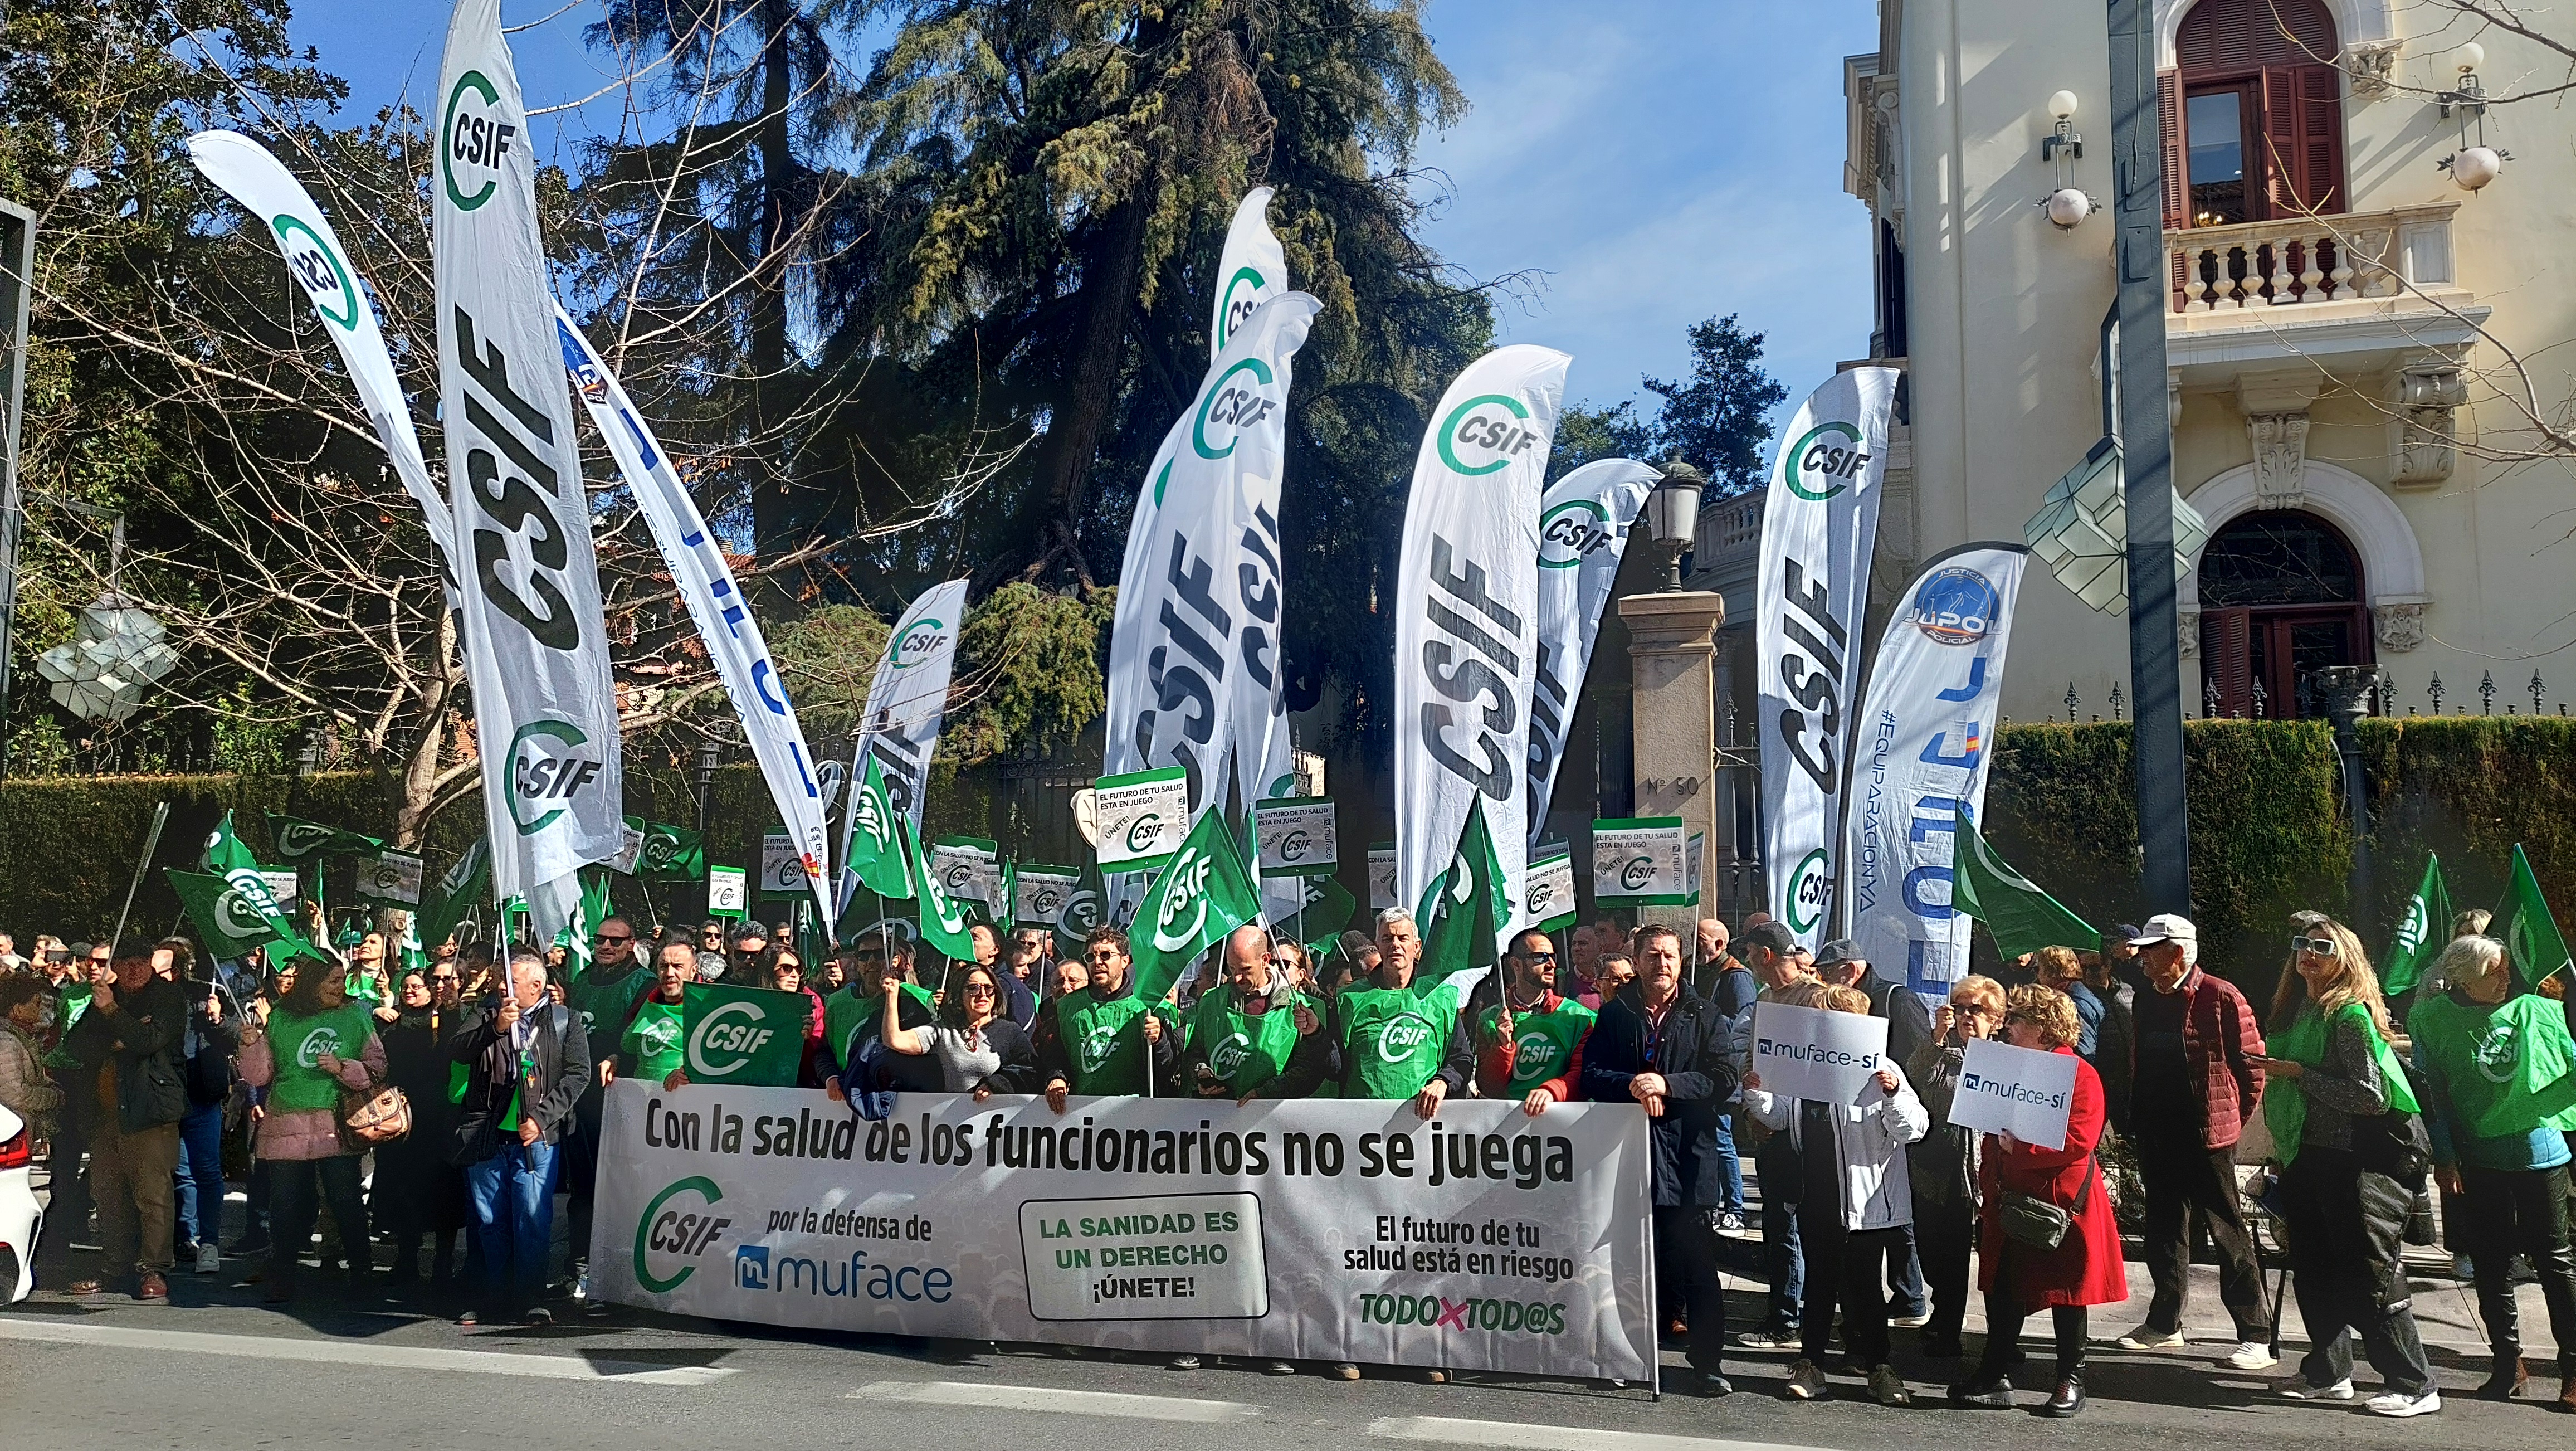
column 2194, row 1079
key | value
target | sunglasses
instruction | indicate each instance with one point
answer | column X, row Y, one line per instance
column 978, row 990
column 442, row 977
column 2314, row 946
column 608, row 939
column 1541, row 957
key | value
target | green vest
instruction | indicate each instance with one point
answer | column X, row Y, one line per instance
column 1543, row 1043
column 654, row 1038
column 2505, row 1067
column 1243, row 1050
column 603, row 1004
column 295, row 1043
column 847, row 1011
column 1104, row 1042
column 2285, row 1108
column 1393, row 1041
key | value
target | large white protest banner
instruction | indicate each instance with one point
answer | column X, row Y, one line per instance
column 1302, row 1230
column 1817, row 1055
column 534, row 635
column 1919, row 765
column 1819, row 531
column 2018, row 1091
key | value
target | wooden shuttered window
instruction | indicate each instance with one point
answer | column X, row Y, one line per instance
column 2303, row 139
column 2177, row 174
column 2226, row 658
column 2281, row 52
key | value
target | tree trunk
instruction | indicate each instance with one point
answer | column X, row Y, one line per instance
column 1112, row 274
column 420, row 774
column 781, row 513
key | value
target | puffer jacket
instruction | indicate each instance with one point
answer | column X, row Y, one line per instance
column 315, row 1133
column 1869, row 1143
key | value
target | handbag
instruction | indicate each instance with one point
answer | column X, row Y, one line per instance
column 2026, row 1219
column 372, row 1117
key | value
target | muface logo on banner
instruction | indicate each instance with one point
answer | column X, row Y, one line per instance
column 1808, row 1053
column 1143, row 817
column 2018, row 1091
column 1641, row 861
column 1819, row 531
column 1921, row 761
column 1298, row 837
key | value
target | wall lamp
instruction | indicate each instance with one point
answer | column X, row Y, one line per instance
column 2476, row 163
column 2068, row 205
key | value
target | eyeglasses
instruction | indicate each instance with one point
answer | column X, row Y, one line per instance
column 2314, row 946
column 442, row 977
column 1973, row 1011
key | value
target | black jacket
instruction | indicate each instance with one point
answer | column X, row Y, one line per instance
column 549, row 1081
column 208, row 1071
column 1700, row 1077
column 141, row 1034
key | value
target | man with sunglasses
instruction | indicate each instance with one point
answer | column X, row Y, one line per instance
column 1529, row 1046
column 1106, row 1040
column 603, row 997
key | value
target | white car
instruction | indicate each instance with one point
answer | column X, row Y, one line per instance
column 19, row 1215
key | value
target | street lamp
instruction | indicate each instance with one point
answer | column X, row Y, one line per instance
column 1672, row 516
column 708, row 756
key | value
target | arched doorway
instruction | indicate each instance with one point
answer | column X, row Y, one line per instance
column 2281, row 594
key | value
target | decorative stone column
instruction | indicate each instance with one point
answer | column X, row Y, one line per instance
column 1673, row 722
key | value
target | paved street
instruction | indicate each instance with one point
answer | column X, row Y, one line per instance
column 215, row 1371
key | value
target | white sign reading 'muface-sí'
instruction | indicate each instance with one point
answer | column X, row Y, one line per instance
column 2018, row 1091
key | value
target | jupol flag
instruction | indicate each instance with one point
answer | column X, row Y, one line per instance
column 2021, row 917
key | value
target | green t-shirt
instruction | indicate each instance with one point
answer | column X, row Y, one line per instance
column 849, row 1010
column 1244, row 1050
column 368, row 988
column 1392, row 1040
column 654, row 1039
column 2285, row 1108
column 294, row 1044
column 1105, row 1042
column 603, row 1004
column 2505, row 1067
column 1543, row 1044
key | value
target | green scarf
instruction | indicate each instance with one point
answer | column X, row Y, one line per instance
column 2285, row 1108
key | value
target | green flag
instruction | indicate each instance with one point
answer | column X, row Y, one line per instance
column 463, row 886
column 2523, row 924
column 1079, row 913
column 230, row 922
column 2020, row 916
column 876, row 854
column 669, row 853
column 300, row 841
column 594, row 909
column 1325, row 908
column 943, row 919
column 1198, row 897
column 227, row 858
column 1462, row 916
column 747, row 1035
column 2423, row 934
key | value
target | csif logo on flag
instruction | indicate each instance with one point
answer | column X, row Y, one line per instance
column 237, row 914
column 1825, row 460
column 1185, row 890
column 659, row 851
column 318, row 270
column 1571, row 533
column 1242, row 299
column 302, row 839
column 869, row 815
column 1484, row 434
column 2411, row 932
column 1811, row 891
column 1236, row 403
column 474, row 141
column 549, row 764
column 1081, row 913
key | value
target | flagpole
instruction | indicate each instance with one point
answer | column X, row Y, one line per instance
column 151, row 844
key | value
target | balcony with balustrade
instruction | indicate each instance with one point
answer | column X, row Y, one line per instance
column 2358, row 294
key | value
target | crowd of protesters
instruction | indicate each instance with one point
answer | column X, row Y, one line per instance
column 138, row 1073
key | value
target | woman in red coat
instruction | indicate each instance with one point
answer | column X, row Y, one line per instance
column 2086, row 1268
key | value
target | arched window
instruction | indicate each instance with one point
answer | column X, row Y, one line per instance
column 2253, row 119
column 2281, row 594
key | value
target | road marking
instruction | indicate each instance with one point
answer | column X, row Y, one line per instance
column 367, row 1353
column 1069, row 1403
column 1446, row 1430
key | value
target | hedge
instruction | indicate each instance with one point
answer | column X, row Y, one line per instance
column 2269, row 830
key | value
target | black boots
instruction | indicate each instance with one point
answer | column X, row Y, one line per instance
column 2068, row 1399
column 2506, row 1381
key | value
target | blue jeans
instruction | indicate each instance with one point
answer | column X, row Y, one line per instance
column 1730, row 1168
column 201, row 1175
column 1905, row 1275
column 513, row 1198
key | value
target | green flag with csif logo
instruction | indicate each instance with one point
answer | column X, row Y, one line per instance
column 300, row 841
column 2526, row 928
column 1202, row 894
column 872, row 851
column 1462, row 916
column 464, row 885
column 747, row 1035
column 228, row 859
column 669, row 853
column 230, row 923
column 944, row 920
column 2422, row 935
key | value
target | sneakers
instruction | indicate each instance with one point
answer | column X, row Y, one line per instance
column 1277, row 1367
column 1182, row 1362
column 1915, row 1321
column 1344, row 1370
column 581, row 1286
column 2302, row 1391
column 210, row 1260
column 1730, row 1221
column 1888, row 1388
column 1767, row 1339
column 1983, row 1393
column 2397, row 1405
column 468, row 1319
column 1806, row 1383
column 2252, row 1355
column 2143, row 1338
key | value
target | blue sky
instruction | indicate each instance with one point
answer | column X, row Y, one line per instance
column 1654, row 162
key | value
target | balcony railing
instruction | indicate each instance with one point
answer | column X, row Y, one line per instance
column 2308, row 260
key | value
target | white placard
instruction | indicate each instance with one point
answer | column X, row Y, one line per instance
column 1143, row 816
column 968, row 870
column 1551, row 890
column 630, row 849
column 1228, row 1278
column 1821, row 1056
column 390, row 877
column 1298, row 838
column 1694, row 863
column 1043, row 891
column 281, row 885
column 782, row 871
column 1641, row 861
column 728, row 890
column 2018, row 1091
column 1382, row 877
